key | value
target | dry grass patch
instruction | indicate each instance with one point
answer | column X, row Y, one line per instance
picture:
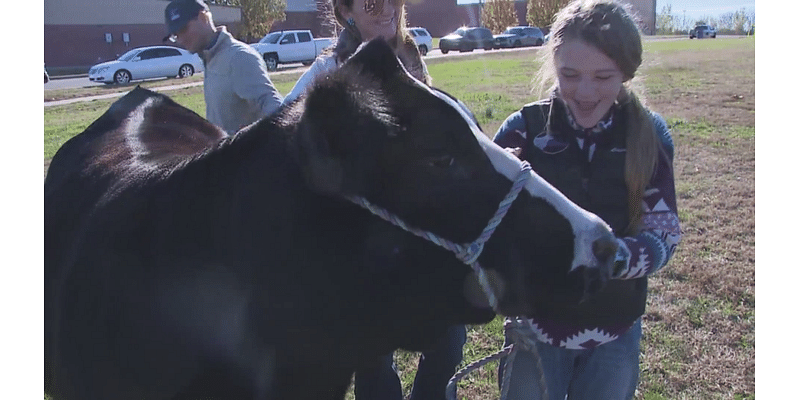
column 699, row 330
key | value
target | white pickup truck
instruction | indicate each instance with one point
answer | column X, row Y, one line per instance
column 283, row 47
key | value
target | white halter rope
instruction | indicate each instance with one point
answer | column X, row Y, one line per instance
column 467, row 253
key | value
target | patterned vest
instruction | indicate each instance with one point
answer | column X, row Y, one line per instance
column 597, row 186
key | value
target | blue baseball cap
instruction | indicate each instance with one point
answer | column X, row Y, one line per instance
column 179, row 12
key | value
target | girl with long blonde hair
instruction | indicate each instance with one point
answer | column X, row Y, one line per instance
column 594, row 140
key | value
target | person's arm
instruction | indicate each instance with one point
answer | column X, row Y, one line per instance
column 321, row 65
column 652, row 248
column 511, row 134
column 252, row 83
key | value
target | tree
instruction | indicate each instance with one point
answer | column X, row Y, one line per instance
column 259, row 15
column 542, row 12
column 497, row 15
column 665, row 21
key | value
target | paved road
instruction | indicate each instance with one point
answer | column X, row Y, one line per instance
column 83, row 81
column 77, row 82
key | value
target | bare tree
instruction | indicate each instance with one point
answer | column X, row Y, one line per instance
column 497, row 15
column 259, row 15
column 665, row 21
column 542, row 12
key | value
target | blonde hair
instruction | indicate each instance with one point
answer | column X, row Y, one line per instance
column 403, row 44
column 608, row 26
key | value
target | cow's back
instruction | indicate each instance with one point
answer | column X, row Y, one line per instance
column 142, row 137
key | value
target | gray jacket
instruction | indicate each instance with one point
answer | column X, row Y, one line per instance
column 237, row 89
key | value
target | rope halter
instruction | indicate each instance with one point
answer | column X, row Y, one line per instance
column 466, row 253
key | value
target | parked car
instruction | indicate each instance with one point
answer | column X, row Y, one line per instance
column 467, row 39
column 702, row 31
column 518, row 36
column 284, row 47
column 145, row 63
column 423, row 39
column 46, row 77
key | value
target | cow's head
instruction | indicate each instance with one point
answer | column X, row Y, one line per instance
column 371, row 130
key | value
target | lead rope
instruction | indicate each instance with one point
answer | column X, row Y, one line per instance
column 468, row 254
column 518, row 329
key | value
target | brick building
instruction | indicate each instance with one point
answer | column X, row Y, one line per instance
column 80, row 33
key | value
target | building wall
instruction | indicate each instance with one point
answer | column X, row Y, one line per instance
column 645, row 12
column 75, row 30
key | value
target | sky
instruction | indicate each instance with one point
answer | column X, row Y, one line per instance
column 694, row 8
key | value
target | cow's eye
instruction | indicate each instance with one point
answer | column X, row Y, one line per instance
column 441, row 161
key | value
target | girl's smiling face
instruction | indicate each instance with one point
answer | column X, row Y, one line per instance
column 374, row 18
column 589, row 82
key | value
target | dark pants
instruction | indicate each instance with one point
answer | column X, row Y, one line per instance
column 435, row 369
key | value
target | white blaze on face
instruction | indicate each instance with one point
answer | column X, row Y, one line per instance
column 586, row 226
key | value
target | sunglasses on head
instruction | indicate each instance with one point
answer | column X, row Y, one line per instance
column 375, row 7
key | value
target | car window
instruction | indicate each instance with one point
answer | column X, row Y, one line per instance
column 303, row 37
column 460, row 31
column 413, row 33
column 272, row 38
column 422, row 32
column 129, row 55
column 148, row 54
column 170, row 53
column 288, row 39
column 484, row 33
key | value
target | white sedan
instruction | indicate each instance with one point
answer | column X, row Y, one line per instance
column 422, row 38
column 145, row 63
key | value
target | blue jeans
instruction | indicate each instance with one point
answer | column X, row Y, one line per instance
column 609, row 371
column 435, row 369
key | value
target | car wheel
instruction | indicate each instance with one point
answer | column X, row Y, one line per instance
column 122, row 77
column 517, row 44
column 186, row 71
column 444, row 51
column 423, row 50
column 539, row 42
column 272, row 62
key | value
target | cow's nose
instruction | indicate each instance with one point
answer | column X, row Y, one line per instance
column 595, row 277
column 605, row 249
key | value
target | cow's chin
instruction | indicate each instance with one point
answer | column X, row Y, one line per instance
column 476, row 295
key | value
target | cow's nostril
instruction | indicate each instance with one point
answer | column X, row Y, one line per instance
column 604, row 250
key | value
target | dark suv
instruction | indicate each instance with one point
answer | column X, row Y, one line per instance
column 703, row 31
column 467, row 39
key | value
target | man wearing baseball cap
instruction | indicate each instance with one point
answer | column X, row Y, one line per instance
column 237, row 88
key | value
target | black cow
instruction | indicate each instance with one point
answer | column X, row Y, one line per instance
column 184, row 264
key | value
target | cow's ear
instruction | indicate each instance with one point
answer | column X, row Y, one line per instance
column 339, row 135
column 377, row 59
column 321, row 162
